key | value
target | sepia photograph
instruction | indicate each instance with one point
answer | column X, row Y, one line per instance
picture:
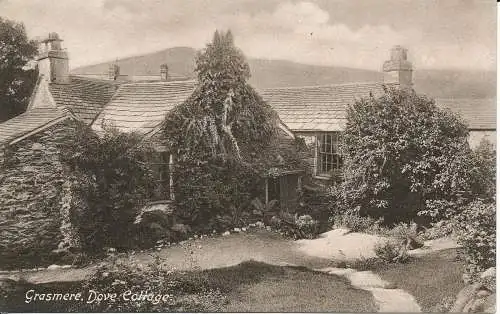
column 248, row 156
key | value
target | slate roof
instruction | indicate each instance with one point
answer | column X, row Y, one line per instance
column 84, row 97
column 141, row 106
column 480, row 114
column 28, row 122
column 318, row 108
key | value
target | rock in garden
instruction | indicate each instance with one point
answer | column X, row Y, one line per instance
column 483, row 293
column 260, row 224
column 226, row 233
column 490, row 272
column 244, row 229
column 411, row 243
column 54, row 266
column 237, row 230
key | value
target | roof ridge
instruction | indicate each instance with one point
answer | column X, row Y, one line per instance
column 92, row 79
column 328, row 85
column 157, row 82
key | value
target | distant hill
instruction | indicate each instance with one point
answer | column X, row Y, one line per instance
column 280, row 73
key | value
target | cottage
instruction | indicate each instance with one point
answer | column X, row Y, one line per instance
column 32, row 174
column 318, row 113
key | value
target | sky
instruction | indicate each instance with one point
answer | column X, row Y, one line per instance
column 354, row 33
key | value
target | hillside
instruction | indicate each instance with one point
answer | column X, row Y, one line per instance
column 280, row 73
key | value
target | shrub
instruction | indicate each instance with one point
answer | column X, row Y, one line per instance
column 307, row 225
column 177, row 292
column 403, row 231
column 213, row 194
column 295, row 226
column 365, row 263
column 391, row 252
column 111, row 180
column 485, row 156
column 404, row 156
column 356, row 223
column 436, row 230
column 475, row 229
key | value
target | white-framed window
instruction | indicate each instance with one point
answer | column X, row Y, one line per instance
column 328, row 155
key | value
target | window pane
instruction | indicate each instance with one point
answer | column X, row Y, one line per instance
column 328, row 154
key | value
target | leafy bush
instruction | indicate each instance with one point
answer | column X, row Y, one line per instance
column 164, row 289
column 485, row 157
column 356, row 223
column 403, row 231
column 365, row 263
column 391, row 252
column 212, row 195
column 404, row 156
column 307, row 225
column 436, row 230
column 295, row 226
column 475, row 229
column 111, row 180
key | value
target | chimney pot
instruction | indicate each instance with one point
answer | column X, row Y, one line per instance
column 113, row 71
column 164, row 72
column 53, row 62
column 398, row 69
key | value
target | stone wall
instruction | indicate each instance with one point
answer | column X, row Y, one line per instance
column 31, row 180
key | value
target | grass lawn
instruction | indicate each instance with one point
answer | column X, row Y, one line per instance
column 247, row 287
column 264, row 288
column 429, row 278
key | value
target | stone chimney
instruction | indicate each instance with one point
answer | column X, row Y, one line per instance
column 52, row 60
column 164, row 72
column 113, row 72
column 398, row 69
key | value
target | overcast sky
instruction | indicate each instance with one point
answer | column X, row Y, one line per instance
column 354, row 33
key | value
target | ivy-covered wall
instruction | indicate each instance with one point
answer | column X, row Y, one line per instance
column 31, row 195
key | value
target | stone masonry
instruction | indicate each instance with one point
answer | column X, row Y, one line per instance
column 31, row 196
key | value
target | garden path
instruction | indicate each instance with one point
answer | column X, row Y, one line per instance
column 263, row 246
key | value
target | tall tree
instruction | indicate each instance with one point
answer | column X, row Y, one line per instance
column 224, row 137
column 16, row 77
column 224, row 111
